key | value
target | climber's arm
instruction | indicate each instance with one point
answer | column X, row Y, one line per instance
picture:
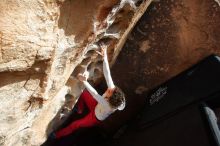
column 106, row 70
column 91, row 90
column 94, row 93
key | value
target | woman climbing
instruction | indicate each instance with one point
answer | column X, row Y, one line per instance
column 100, row 107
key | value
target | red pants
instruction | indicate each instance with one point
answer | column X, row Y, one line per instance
column 88, row 121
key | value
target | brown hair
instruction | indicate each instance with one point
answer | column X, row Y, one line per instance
column 117, row 98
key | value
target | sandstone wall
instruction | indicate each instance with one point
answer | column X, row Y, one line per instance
column 43, row 43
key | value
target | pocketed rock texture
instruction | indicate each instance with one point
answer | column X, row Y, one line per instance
column 44, row 44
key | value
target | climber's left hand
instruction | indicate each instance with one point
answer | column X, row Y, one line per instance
column 81, row 77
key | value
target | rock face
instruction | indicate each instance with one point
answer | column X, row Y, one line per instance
column 171, row 36
column 44, row 44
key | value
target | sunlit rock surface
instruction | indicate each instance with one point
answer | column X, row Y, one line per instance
column 43, row 43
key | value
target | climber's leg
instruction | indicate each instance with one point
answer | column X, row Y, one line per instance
column 80, row 103
column 86, row 98
column 89, row 100
column 88, row 121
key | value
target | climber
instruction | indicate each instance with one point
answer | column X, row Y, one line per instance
column 100, row 107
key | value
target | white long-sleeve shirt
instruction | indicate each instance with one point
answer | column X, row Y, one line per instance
column 102, row 109
column 106, row 72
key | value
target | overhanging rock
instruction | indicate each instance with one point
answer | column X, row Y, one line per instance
column 41, row 43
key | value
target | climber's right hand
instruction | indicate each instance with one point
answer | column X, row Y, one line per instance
column 103, row 51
